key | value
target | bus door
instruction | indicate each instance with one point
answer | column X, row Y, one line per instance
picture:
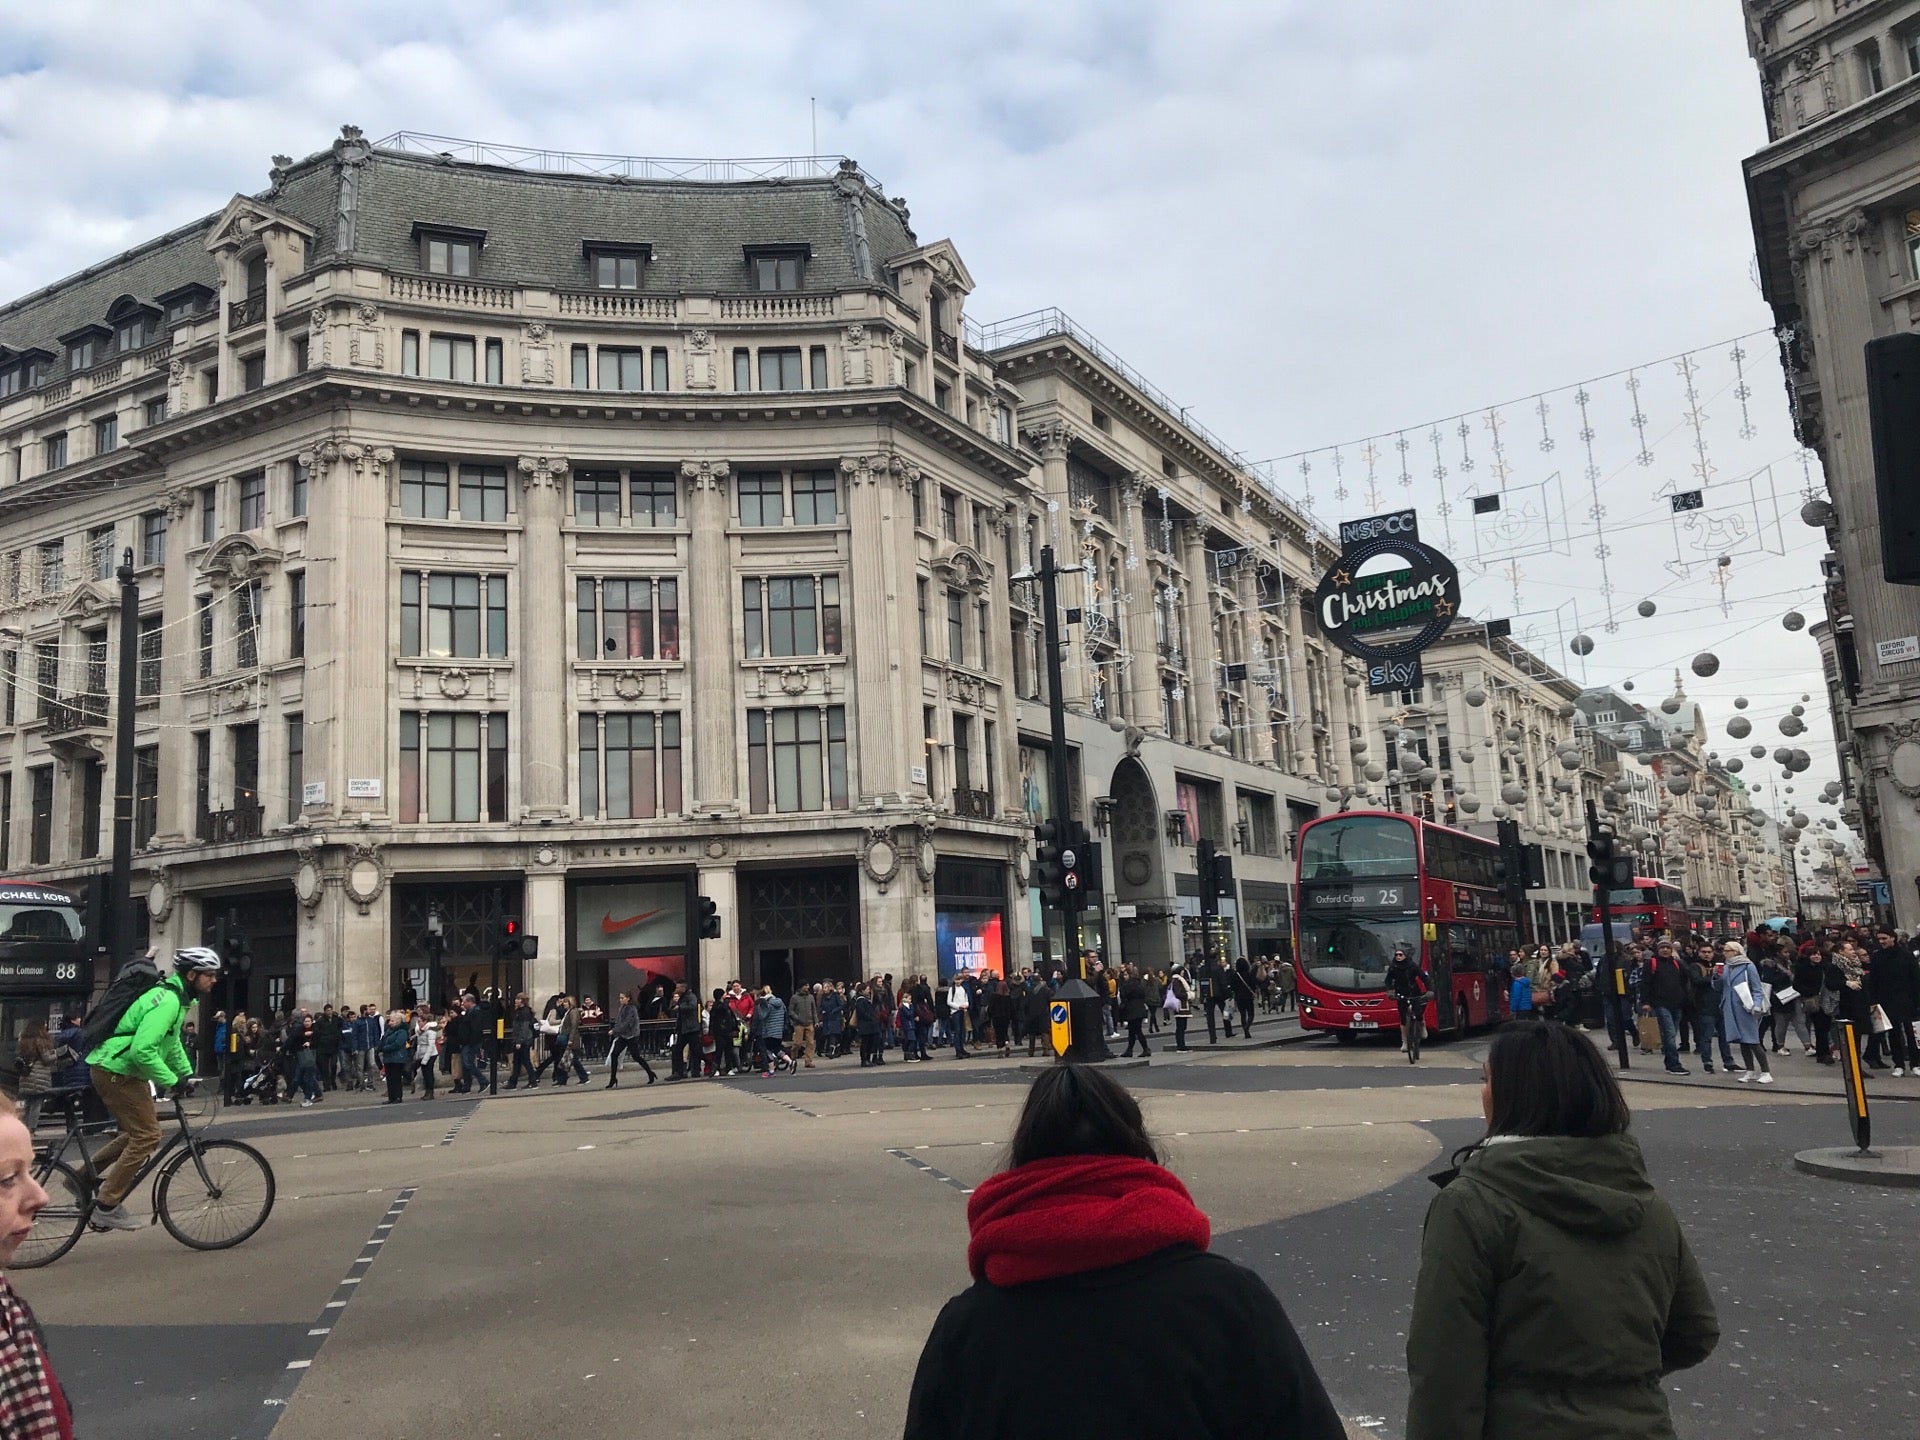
column 1440, row 974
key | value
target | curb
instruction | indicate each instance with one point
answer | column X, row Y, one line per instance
column 1895, row 1165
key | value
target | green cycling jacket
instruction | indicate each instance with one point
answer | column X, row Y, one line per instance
column 147, row 1040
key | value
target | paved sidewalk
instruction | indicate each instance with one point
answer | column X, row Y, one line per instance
column 1792, row 1075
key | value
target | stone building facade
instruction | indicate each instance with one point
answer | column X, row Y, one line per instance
column 1835, row 200
column 585, row 549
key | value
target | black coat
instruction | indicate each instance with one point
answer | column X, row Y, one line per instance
column 1665, row 986
column 1133, row 1001
column 1893, row 982
column 1214, row 1358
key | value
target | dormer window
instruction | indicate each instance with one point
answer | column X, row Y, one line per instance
column 777, row 267
column 184, row 303
column 449, row 249
column 616, row 265
column 80, row 354
column 136, row 332
column 257, row 275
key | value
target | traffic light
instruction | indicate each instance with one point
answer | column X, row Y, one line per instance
column 709, row 919
column 508, row 940
column 1050, row 837
column 1606, row 867
column 1223, row 876
column 1893, row 414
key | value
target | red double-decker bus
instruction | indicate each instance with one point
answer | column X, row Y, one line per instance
column 1371, row 881
column 1650, row 906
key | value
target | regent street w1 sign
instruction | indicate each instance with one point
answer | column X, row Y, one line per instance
column 1387, row 598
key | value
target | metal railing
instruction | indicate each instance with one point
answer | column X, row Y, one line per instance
column 250, row 311
column 972, row 804
column 69, row 713
column 947, row 345
column 224, row 827
column 626, row 167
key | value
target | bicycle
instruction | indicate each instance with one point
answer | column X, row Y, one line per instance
column 1413, row 1026
column 210, row 1194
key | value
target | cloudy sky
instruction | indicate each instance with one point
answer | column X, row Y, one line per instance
column 1310, row 222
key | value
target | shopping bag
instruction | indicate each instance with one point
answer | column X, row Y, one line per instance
column 1649, row 1032
column 1878, row 1019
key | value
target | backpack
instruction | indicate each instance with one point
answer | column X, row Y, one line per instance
column 136, row 977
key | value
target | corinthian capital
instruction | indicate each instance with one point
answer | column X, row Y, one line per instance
column 705, row 474
column 544, row 470
column 1051, row 440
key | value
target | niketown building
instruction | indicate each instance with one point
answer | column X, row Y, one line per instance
column 581, row 545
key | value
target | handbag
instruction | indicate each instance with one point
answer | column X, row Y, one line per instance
column 1171, row 1002
column 1785, row 996
column 1649, row 1032
column 1878, row 1019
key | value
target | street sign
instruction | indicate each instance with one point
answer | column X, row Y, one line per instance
column 1068, row 859
column 1072, row 880
column 1061, row 1032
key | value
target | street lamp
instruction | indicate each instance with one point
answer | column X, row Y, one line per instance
column 436, row 950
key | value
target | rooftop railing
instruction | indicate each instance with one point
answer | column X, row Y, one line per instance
column 626, row 167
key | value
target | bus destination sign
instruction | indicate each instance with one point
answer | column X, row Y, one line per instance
column 1390, row 895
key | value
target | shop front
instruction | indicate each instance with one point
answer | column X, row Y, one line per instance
column 256, row 934
column 631, row 933
column 444, row 934
column 1269, row 920
column 1198, row 937
column 798, row 927
column 970, row 918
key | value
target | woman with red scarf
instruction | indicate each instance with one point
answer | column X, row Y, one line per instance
column 1085, row 1247
column 32, row 1405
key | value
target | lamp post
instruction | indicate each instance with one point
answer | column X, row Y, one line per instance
column 436, row 951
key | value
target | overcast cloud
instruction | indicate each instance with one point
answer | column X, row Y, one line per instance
column 1308, row 221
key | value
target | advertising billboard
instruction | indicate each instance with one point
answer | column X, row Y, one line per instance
column 972, row 940
column 638, row 927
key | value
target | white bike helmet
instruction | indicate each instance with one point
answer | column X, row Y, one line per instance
column 196, row 959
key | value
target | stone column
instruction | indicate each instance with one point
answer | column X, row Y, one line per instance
column 712, row 645
column 718, row 960
column 1196, row 604
column 1143, row 648
column 179, row 661
column 1052, row 441
column 544, row 640
column 875, row 630
column 1343, row 707
column 1253, row 642
column 897, row 912
column 346, row 705
column 1299, row 701
column 545, row 900
column 1004, row 766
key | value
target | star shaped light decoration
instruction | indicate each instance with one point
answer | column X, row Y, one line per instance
column 1443, row 607
column 1342, row 578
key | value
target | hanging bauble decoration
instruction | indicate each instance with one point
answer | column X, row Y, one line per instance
column 1679, row 784
column 1817, row 512
column 1375, row 771
column 1782, row 754
column 1758, row 752
column 1556, row 810
column 1570, row 762
column 1352, row 680
column 1465, row 757
column 1475, row 696
column 1581, row 644
column 1800, row 763
column 1647, row 607
column 1357, row 746
column 1791, row 725
column 1739, row 702
column 1798, row 710
column 1671, row 705
column 1706, row 663
column 1468, row 802
column 1389, row 732
column 1334, row 797
column 1567, row 710
column 1804, row 699
column 1735, row 765
column 1563, row 785
column 1739, row 727
column 1513, row 794
column 1512, row 734
column 1793, row 620
column 1724, row 561
column 1220, row 735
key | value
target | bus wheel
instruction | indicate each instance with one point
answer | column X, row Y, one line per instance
column 1459, row 1019
column 1345, row 1037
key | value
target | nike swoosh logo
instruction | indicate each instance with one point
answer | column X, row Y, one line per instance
column 611, row 926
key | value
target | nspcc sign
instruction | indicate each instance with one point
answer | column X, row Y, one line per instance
column 1387, row 616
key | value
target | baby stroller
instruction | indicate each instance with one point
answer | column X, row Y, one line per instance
column 263, row 1085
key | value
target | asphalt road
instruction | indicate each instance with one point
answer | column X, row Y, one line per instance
column 765, row 1256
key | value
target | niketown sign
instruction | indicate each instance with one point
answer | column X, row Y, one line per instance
column 1390, row 614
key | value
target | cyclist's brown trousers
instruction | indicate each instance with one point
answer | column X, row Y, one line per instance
column 129, row 1099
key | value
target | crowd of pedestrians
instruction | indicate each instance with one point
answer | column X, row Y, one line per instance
column 1739, row 1002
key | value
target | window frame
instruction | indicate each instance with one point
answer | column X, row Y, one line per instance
column 424, row 738
column 453, row 615
column 453, row 348
column 250, row 495
column 665, row 772
column 764, row 633
column 153, row 538
column 655, row 637
column 772, row 756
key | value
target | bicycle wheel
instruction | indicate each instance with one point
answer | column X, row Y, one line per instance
column 1412, row 1023
column 60, row 1223
column 220, row 1217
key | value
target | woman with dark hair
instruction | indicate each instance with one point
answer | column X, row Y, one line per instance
column 1550, row 1227
column 1085, row 1235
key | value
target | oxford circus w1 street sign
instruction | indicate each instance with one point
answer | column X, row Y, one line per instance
column 1387, row 598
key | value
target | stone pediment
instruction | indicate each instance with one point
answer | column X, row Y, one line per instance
column 91, row 601
column 245, row 218
column 943, row 260
column 236, row 559
column 961, row 566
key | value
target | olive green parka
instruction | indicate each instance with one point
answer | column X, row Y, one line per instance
column 1555, row 1290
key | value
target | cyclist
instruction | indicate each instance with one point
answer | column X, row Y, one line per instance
column 1407, row 986
column 143, row 1051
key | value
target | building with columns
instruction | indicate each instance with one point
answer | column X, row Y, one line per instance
column 517, row 541
column 1835, row 202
